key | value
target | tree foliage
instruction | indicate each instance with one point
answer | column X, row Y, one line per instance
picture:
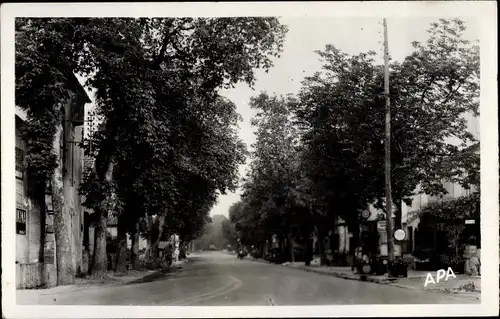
column 338, row 168
column 213, row 234
column 342, row 117
column 271, row 202
column 168, row 135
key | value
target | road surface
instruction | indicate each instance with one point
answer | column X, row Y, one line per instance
column 219, row 279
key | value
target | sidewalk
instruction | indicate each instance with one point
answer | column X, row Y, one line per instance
column 132, row 277
column 462, row 284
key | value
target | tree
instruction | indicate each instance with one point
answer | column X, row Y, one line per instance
column 214, row 233
column 153, row 79
column 341, row 117
column 270, row 202
column 229, row 233
column 194, row 100
column 436, row 86
column 336, row 128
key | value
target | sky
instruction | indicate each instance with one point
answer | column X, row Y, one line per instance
column 298, row 60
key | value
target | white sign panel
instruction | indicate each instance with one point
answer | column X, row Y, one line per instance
column 381, row 225
column 399, row 234
column 383, row 250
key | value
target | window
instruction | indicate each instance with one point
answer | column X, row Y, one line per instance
column 21, row 222
column 19, row 159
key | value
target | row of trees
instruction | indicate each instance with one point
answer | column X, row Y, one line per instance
column 214, row 234
column 169, row 143
column 319, row 155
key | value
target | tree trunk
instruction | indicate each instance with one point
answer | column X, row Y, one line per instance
column 290, row 246
column 161, row 223
column 149, row 228
column 321, row 244
column 62, row 219
column 121, row 249
column 156, row 242
column 100, row 258
column 134, row 254
column 353, row 249
column 308, row 251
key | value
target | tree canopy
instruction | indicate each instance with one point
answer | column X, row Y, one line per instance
column 338, row 116
column 168, row 136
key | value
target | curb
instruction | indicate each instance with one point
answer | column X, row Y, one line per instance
column 338, row 274
column 348, row 276
column 383, row 281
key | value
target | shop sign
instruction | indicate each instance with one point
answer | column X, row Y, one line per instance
column 381, row 225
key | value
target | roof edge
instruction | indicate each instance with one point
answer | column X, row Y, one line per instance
column 76, row 83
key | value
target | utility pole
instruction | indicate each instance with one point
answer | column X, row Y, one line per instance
column 388, row 191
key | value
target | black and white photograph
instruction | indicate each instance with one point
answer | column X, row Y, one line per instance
column 211, row 157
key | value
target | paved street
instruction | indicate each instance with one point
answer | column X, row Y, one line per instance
column 219, row 279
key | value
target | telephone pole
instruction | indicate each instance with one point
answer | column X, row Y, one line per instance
column 388, row 191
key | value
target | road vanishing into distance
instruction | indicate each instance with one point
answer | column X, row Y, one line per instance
column 220, row 279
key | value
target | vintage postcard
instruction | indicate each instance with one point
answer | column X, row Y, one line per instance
column 249, row 159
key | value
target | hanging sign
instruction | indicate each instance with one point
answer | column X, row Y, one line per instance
column 381, row 225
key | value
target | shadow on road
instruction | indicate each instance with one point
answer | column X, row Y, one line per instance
column 161, row 274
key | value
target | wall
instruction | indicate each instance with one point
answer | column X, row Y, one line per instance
column 113, row 230
column 143, row 243
column 27, row 245
column 72, row 158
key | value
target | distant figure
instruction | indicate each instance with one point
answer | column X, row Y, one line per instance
column 176, row 254
column 241, row 253
column 254, row 253
column 168, row 254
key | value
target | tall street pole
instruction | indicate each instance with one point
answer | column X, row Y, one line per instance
column 388, row 195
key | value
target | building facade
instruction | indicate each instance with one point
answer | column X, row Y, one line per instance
column 423, row 234
column 341, row 242
column 35, row 240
